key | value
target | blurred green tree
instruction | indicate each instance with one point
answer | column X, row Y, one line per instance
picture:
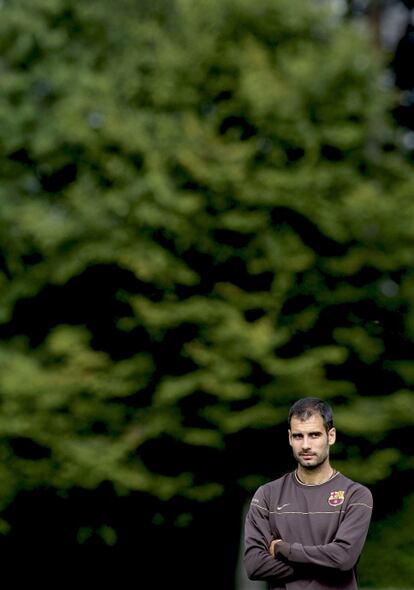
column 393, row 535
column 205, row 215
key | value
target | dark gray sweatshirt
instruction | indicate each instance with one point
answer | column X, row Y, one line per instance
column 323, row 528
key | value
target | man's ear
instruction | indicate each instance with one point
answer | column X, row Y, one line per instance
column 331, row 436
column 290, row 436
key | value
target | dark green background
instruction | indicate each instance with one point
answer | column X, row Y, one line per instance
column 206, row 212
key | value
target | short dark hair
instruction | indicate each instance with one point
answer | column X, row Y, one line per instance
column 309, row 406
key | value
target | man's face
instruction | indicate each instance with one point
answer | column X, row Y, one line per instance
column 309, row 441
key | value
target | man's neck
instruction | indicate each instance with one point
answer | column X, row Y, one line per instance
column 316, row 476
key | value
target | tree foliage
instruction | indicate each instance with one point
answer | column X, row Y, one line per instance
column 205, row 215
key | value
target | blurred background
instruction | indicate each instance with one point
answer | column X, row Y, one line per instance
column 206, row 212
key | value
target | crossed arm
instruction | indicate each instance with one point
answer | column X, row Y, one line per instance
column 259, row 562
column 268, row 557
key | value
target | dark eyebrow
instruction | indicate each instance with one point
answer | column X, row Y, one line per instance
column 301, row 433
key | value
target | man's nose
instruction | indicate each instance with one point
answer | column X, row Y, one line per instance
column 305, row 444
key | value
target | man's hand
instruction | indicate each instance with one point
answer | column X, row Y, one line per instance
column 272, row 549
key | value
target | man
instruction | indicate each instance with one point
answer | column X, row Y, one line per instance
column 307, row 528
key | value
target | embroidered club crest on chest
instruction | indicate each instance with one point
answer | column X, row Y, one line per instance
column 336, row 498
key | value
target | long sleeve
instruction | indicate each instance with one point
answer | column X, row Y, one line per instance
column 343, row 552
column 259, row 564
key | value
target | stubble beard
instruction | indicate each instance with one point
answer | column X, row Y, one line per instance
column 317, row 461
